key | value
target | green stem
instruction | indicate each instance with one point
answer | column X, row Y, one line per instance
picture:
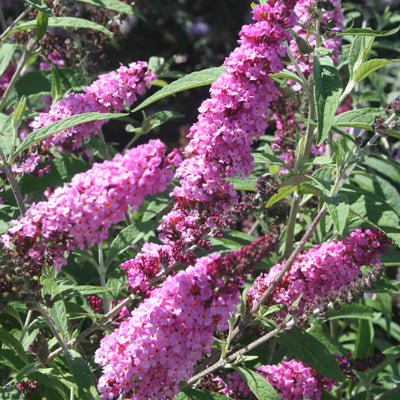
column 133, row 140
column 304, row 83
column 104, row 144
column 26, row 325
column 52, row 327
column 6, row 33
column 26, row 55
column 289, row 240
column 13, row 183
column 102, row 274
column 302, row 157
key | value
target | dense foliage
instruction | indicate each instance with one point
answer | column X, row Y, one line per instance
column 254, row 254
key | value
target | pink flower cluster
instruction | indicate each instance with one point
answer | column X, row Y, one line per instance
column 333, row 18
column 324, row 268
column 152, row 351
column 293, row 380
column 152, row 259
column 230, row 120
column 235, row 114
column 110, row 92
column 80, row 213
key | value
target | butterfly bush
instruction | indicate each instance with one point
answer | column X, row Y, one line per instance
column 322, row 269
column 230, row 120
column 110, row 92
column 153, row 350
column 79, row 214
column 294, row 380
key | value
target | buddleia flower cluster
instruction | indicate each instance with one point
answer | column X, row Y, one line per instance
column 80, row 213
column 322, row 269
column 153, row 350
column 221, row 139
column 110, row 92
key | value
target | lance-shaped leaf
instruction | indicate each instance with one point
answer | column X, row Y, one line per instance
column 114, row 5
column 39, row 5
column 41, row 27
column 339, row 208
column 370, row 66
column 362, row 118
column 6, row 53
column 66, row 123
column 313, row 353
column 328, row 89
column 359, row 52
column 367, row 32
column 190, row 81
column 62, row 22
column 260, row 387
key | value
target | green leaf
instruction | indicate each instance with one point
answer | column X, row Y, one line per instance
column 353, row 311
column 114, row 5
column 26, row 371
column 367, row 32
column 159, row 118
column 374, row 210
column 54, row 127
column 313, row 353
column 10, row 360
column 385, row 300
column 41, row 28
column 34, row 83
column 259, row 386
column 359, row 52
column 155, row 204
column 362, row 118
column 370, row 66
column 39, row 5
column 365, row 339
column 286, row 74
column 67, row 289
column 268, row 158
column 11, row 393
column 339, row 208
column 243, row 184
column 195, row 394
column 127, row 237
column 6, row 53
column 56, row 85
column 79, row 370
column 10, row 341
column 328, row 89
column 190, row 81
column 19, row 113
column 288, row 186
column 62, row 22
column 58, row 315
